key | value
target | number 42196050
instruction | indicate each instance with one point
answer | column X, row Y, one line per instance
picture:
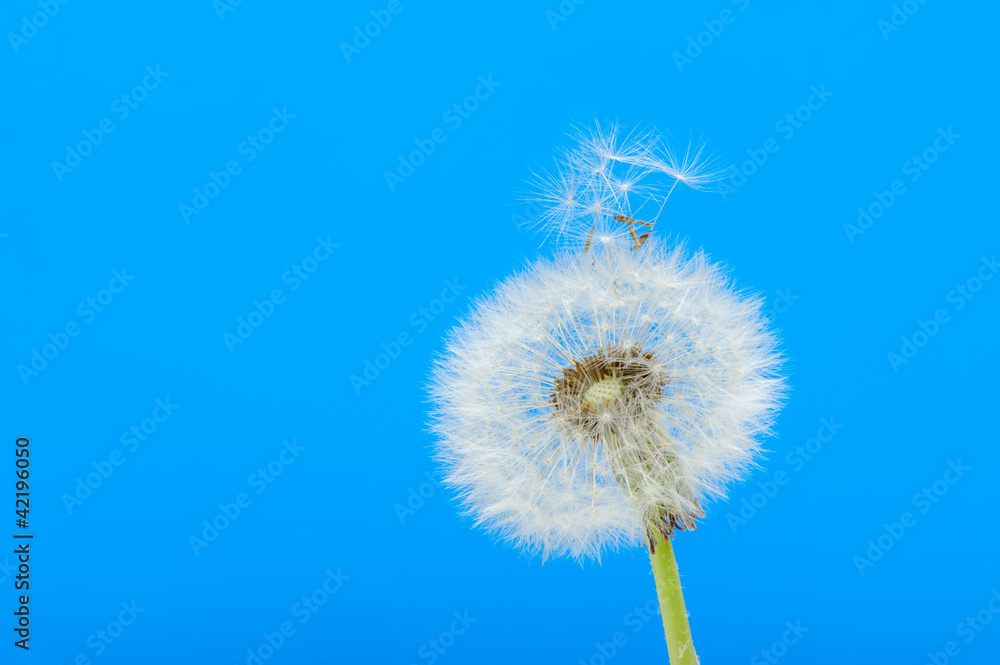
column 22, row 495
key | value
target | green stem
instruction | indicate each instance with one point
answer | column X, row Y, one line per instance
column 675, row 618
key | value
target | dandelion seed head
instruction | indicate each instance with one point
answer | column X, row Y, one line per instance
column 595, row 400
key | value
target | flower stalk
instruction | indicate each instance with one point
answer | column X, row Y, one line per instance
column 671, row 596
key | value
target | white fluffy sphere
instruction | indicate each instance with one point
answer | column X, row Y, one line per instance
column 596, row 399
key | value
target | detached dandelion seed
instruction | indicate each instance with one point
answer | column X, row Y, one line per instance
column 608, row 183
column 601, row 398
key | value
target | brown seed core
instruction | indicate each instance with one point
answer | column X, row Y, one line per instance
column 617, row 382
column 618, row 376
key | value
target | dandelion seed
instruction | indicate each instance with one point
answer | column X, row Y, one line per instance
column 606, row 176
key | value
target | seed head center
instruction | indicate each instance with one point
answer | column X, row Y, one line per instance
column 608, row 388
column 602, row 393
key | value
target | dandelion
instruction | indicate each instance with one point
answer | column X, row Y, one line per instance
column 601, row 399
column 610, row 185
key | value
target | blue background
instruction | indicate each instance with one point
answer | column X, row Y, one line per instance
column 342, row 504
